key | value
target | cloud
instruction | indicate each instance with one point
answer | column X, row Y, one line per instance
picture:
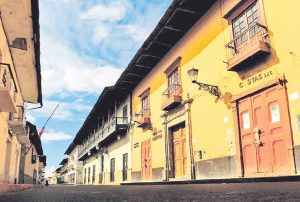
column 135, row 32
column 53, row 136
column 66, row 110
column 111, row 12
column 101, row 31
column 64, row 71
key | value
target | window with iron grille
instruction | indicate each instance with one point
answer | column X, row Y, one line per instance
column 89, row 172
column 84, row 180
column 112, row 170
column 94, row 174
column 125, row 167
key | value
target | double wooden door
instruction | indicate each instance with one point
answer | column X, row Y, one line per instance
column 146, row 160
column 179, row 151
column 265, row 132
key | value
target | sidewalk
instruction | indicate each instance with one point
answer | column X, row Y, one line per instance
column 6, row 188
column 220, row 181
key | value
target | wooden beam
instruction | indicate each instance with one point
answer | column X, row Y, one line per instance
column 188, row 11
column 162, row 44
column 136, row 75
column 142, row 66
column 152, row 56
column 173, row 29
column 130, row 82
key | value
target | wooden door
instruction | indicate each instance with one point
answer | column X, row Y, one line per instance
column 265, row 132
column 179, row 151
column 146, row 160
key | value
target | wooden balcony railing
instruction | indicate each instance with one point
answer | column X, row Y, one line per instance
column 115, row 125
column 143, row 118
column 250, row 44
column 172, row 97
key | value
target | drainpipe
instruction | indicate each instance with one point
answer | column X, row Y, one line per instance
column 188, row 102
column 240, row 140
column 166, row 147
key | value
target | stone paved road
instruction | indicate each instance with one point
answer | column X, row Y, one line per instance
column 280, row 191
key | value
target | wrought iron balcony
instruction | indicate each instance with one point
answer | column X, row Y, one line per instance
column 172, row 97
column 7, row 89
column 143, row 119
column 117, row 125
column 250, row 45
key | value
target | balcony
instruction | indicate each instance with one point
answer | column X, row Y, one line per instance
column 7, row 87
column 249, row 46
column 17, row 125
column 143, row 119
column 172, row 97
column 116, row 126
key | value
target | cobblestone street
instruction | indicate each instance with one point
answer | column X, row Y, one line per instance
column 282, row 191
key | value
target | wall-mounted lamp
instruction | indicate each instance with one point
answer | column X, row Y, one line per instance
column 97, row 147
column 89, row 153
column 214, row 90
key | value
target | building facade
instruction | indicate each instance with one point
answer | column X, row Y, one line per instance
column 213, row 93
column 103, row 142
column 20, row 80
column 239, row 117
column 75, row 166
column 32, row 160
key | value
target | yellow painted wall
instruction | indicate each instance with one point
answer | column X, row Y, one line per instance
column 116, row 151
column 29, row 166
column 204, row 48
column 15, row 149
column 89, row 164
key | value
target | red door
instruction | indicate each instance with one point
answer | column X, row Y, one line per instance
column 146, row 160
column 179, row 147
column 265, row 132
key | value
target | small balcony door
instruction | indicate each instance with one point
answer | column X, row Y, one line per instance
column 173, row 82
column 125, row 115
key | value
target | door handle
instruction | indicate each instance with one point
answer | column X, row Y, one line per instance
column 256, row 133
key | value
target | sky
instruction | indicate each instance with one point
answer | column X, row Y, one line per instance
column 85, row 46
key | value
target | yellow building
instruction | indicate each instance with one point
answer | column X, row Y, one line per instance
column 103, row 141
column 215, row 92
column 56, row 177
column 64, row 169
column 75, row 166
column 20, row 80
column 32, row 160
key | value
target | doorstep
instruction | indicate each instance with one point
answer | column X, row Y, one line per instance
column 7, row 188
column 220, row 181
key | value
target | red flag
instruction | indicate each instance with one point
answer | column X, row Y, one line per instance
column 41, row 131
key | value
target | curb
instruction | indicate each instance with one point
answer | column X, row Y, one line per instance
column 221, row 181
column 8, row 188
